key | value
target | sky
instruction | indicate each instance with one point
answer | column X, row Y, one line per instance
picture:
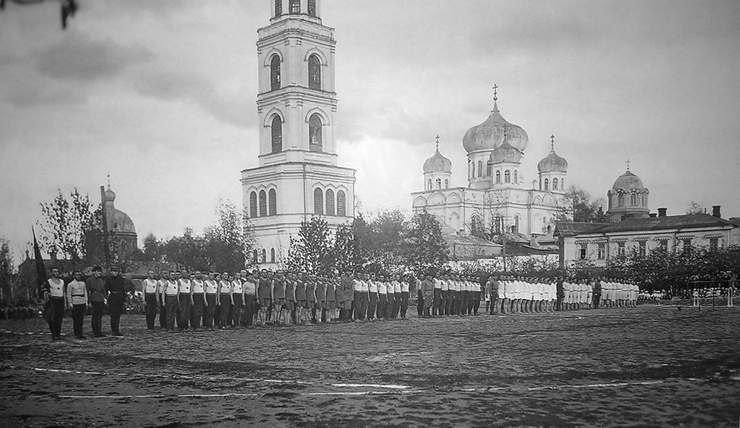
column 161, row 95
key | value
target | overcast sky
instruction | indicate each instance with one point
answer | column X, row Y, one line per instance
column 161, row 94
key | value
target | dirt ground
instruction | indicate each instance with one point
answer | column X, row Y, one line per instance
column 654, row 366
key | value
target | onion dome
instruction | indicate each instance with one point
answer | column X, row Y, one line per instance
column 628, row 181
column 552, row 162
column 437, row 163
column 110, row 195
column 490, row 134
column 506, row 153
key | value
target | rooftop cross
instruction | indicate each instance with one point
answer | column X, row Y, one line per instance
column 437, row 140
column 628, row 164
column 108, row 176
column 552, row 142
column 495, row 92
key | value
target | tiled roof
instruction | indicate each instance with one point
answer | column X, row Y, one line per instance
column 571, row 228
column 688, row 221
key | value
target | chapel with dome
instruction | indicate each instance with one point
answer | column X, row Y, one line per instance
column 628, row 198
column 498, row 194
column 119, row 233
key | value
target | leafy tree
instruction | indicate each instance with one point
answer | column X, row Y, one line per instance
column 477, row 227
column 311, row 251
column 425, row 248
column 585, row 209
column 362, row 234
column 6, row 268
column 152, row 248
column 187, row 250
column 64, row 223
column 343, row 251
column 694, row 208
column 229, row 240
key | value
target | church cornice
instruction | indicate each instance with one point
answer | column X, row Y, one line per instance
column 297, row 164
column 296, row 94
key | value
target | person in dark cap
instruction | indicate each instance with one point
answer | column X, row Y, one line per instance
column 115, row 286
column 96, row 294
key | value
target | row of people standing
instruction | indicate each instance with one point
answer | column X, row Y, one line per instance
column 449, row 295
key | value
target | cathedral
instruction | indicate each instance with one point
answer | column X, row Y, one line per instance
column 298, row 175
column 498, row 198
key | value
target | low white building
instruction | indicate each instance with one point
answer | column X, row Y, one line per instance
column 633, row 229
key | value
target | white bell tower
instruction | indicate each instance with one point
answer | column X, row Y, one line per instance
column 298, row 176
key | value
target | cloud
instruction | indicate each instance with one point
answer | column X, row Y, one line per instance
column 77, row 57
column 229, row 105
column 26, row 95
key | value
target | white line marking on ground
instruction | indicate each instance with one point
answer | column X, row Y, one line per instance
column 368, row 385
column 118, row 397
column 595, row 385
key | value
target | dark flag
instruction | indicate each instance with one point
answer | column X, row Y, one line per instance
column 41, row 278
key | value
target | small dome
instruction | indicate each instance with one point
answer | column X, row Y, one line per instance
column 506, row 153
column 490, row 134
column 628, row 181
column 437, row 163
column 110, row 195
column 121, row 222
column 553, row 163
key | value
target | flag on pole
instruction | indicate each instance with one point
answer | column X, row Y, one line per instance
column 41, row 278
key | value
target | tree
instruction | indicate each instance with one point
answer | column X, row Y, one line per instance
column 343, row 250
column 362, row 234
column 311, row 251
column 229, row 240
column 425, row 248
column 6, row 269
column 477, row 226
column 187, row 250
column 152, row 248
column 585, row 209
column 64, row 223
column 694, row 208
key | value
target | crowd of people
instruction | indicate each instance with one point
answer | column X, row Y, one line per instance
column 192, row 300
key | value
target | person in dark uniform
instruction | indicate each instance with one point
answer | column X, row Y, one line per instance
column 250, row 297
column 96, row 293
column 115, row 286
column 54, row 294
column 560, row 293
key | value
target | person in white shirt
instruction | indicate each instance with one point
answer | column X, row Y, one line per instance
column 372, row 289
column 54, row 294
column 237, row 300
column 77, row 302
column 405, row 296
column 225, row 300
column 150, row 287
column 211, row 292
column 164, row 276
column 358, row 298
column 198, row 300
column 186, row 299
column 504, row 293
column 250, row 297
column 438, row 298
column 396, row 296
column 384, row 306
column 171, row 293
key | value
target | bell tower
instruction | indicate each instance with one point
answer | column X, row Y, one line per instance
column 296, row 101
column 298, row 176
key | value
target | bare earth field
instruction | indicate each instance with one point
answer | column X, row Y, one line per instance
column 649, row 366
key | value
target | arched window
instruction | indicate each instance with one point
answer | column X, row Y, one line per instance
column 429, row 183
column 633, row 200
column 314, row 72
column 480, row 169
column 312, row 8
column 275, row 73
column 507, row 176
column 644, row 201
column 278, row 7
column 277, row 134
column 562, row 183
column 272, row 255
column 516, row 177
column 253, row 205
column 498, row 176
column 620, row 201
column 255, row 256
column 342, row 203
column 516, row 224
column 488, row 170
column 314, row 133
column 264, row 256
column 330, row 202
column 554, row 184
column 318, row 202
column 263, row 203
column 439, row 183
column 447, row 183
column 547, row 184
column 472, row 169
column 272, row 202
column 295, row 6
